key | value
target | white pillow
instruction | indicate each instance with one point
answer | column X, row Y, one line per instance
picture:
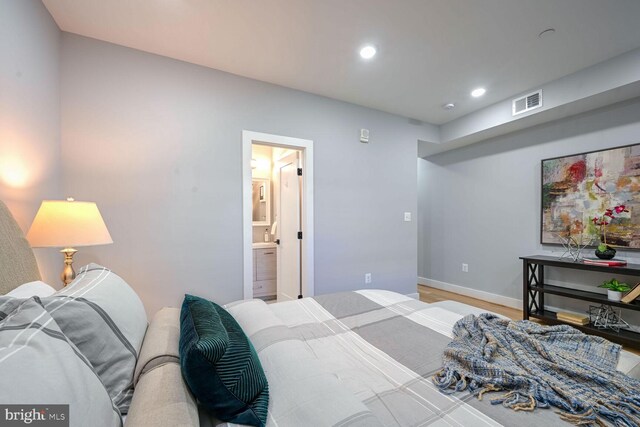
column 39, row 366
column 32, row 289
column 104, row 317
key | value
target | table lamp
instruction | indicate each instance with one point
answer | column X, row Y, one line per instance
column 68, row 224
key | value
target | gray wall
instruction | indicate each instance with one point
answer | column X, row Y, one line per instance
column 30, row 116
column 481, row 204
column 157, row 144
column 423, row 216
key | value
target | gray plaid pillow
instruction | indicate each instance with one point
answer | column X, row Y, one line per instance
column 40, row 366
column 105, row 319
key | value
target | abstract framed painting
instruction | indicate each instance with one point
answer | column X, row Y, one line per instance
column 577, row 188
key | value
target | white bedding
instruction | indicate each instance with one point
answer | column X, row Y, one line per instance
column 366, row 358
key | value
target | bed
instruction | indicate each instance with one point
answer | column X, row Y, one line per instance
column 366, row 358
column 361, row 358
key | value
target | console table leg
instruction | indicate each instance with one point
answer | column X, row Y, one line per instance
column 525, row 290
column 541, row 284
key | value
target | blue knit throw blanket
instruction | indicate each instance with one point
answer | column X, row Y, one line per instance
column 537, row 366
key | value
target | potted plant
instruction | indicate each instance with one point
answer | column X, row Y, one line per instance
column 604, row 251
column 615, row 289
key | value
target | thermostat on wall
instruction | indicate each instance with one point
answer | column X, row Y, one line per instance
column 364, row 135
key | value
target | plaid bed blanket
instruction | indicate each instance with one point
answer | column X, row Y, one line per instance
column 365, row 358
column 539, row 366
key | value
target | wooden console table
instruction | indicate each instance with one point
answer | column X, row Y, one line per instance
column 534, row 290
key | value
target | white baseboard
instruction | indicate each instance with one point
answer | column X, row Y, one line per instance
column 473, row 293
column 414, row 295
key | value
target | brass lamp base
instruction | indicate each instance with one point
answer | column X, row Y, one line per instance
column 68, row 274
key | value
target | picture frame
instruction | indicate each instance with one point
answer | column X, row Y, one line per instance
column 577, row 187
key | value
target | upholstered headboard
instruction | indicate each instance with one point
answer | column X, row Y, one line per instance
column 17, row 262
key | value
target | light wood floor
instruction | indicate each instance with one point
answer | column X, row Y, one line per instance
column 429, row 295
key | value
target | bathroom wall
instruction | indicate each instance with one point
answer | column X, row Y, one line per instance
column 263, row 156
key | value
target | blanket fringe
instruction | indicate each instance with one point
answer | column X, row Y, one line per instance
column 516, row 401
column 605, row 414
column 585, row 418
column 532, row 367
column 486, row 389
column 620, row 413
column 624, row 412
column 449, row 381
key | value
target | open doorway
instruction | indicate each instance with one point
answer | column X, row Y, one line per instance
column 277, row 216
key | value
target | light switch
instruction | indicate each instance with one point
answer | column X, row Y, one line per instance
column 407, row 216
column 364, row 135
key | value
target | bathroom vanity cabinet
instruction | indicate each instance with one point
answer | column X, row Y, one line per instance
column 264, row 272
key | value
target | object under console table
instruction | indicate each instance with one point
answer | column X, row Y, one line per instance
column 534, row 290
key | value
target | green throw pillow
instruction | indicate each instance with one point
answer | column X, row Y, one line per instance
column 220, row 365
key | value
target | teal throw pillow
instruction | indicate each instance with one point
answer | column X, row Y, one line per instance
column 220, row 365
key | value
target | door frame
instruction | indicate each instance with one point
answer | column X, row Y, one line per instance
column 306, row 147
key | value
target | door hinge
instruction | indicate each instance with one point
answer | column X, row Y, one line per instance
column 299, row 171
column 300, row 235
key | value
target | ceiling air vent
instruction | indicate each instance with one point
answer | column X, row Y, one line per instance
column 527, row 103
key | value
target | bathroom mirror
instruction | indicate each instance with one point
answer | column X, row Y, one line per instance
column 261, row 196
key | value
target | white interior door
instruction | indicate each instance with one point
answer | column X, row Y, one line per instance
column 288, row 227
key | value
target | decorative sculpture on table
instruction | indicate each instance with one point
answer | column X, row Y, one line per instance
column 605, row 317
column 573, row 247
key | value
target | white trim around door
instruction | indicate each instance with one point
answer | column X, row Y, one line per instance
column 306, row 146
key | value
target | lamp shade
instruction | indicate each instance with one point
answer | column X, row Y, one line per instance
column 61, row 223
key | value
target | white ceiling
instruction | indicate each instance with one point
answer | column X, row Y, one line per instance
column 430, row 52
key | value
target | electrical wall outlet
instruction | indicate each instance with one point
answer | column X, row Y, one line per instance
column 465, row 268
column 367, row 278
column 407, row 216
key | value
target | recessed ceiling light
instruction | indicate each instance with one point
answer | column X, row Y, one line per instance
column 449, row 106
column 476, row 93
column 368, row 51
